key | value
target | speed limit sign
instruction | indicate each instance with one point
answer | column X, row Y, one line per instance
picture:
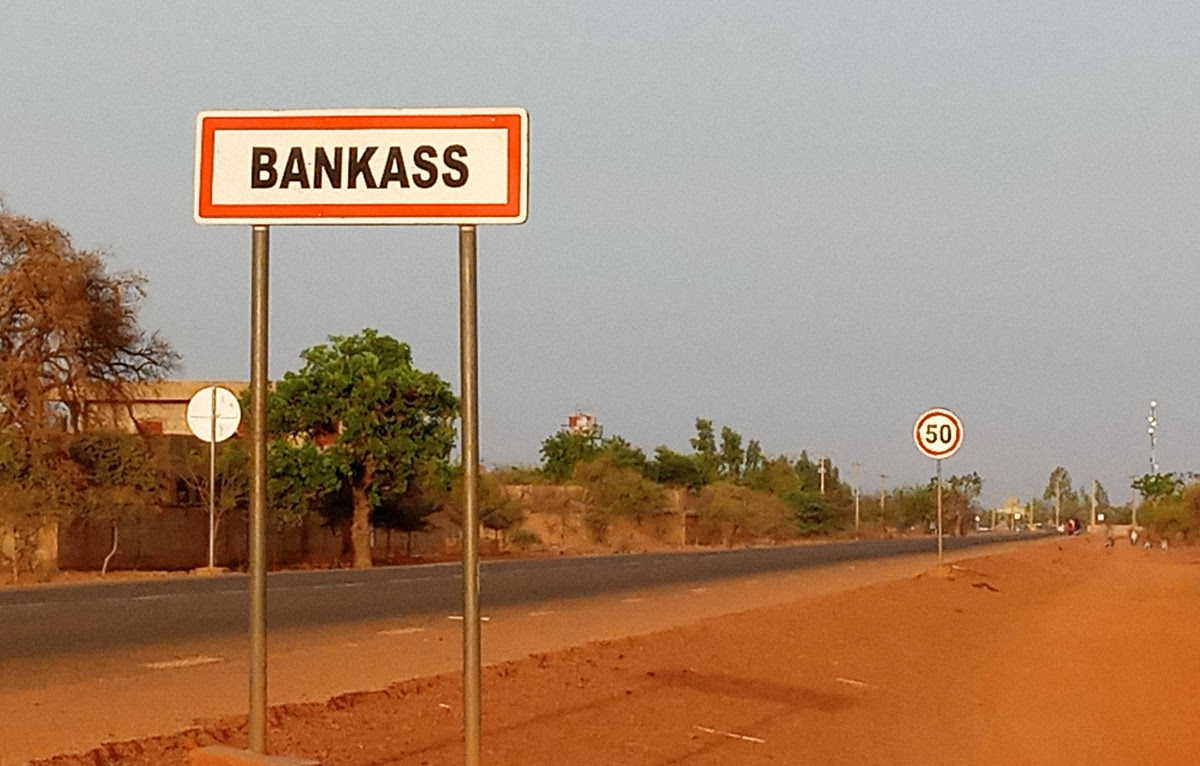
column 938, row 433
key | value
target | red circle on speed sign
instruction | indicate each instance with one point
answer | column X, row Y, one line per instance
column 938, row 433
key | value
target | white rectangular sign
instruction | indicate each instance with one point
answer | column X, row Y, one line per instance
column 449, row 166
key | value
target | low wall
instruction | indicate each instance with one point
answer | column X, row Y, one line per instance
column 28, row 544
column 177, row 539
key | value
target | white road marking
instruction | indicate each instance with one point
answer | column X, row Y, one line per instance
column 400, row 631
column 459, row 617
column 851, row 682
column 699, row 590
column 729, row 734
column 158, row 597
column 542, row 613
column 184, row 662
column 338, row 585
column 18, row 606
column 633, row 600
column 410, row 579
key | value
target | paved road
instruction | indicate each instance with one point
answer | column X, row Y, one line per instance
column 59, row 620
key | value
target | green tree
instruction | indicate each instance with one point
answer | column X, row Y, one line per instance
column 811, row 512
column 116, row 477
column 674, row 469
column 610, row 491
column 734, row 511
column 1060, row 492
column 705, row 445
column 961, row 504
column 406, row 512
column 732, row 456
column 754, row 460
column 913, row 507
column 563, row 450
column 359, row 413
column 498, row 511
column 189, row 464
column 1159, row 485
column 625, row 455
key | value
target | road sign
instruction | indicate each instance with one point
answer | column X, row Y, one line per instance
column 938, row 433
column 213, row 411
column 387, row 166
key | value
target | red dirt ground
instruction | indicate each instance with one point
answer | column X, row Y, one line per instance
column 1057, row 653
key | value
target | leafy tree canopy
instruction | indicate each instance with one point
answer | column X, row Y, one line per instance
column 1160, row 485
column 358, row 414
column 68, row 329
column 563, row 450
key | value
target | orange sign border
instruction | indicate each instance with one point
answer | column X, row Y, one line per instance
column 511, row 211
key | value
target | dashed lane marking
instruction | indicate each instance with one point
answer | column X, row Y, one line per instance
column 157, row 597
column 633, row 600
column 400, row 631
column 699, row 590
column 459, row 617
column 182, row 662
column 542, row 613
column 19, row 606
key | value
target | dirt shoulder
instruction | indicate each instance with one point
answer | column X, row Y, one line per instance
column 1062, row 652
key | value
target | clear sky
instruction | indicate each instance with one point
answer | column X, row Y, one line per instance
column 809, row 221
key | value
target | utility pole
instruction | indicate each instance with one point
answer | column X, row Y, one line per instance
column 882, row 500
column 1057, row 500
column 821, row 470
column 1153, row 425
column 1093, row 497
column 1133, row 502
column 857, row 493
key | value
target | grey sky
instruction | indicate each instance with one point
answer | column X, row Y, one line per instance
column 807, row 221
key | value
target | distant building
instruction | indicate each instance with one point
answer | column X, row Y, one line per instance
column 581, row 423
column 155, row 408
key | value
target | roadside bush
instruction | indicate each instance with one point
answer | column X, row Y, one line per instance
column 1173, row 516
column 524, row 538
column 610, row 490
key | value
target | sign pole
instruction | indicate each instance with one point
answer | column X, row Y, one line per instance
column 258, row 491
column 212, row 484
column 468, row 338
column 939, row 510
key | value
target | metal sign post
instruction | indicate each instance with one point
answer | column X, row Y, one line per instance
column 213, row 415
column 939, row 509
column 260, row 269
column 469, row 350
column 212, row 484
column 938, row 434
column 366, row 166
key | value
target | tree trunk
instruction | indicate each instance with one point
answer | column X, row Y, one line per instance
column 108, row 558
column 360, row 530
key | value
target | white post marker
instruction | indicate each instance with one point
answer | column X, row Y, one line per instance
column 213, row 415
column 938, row 434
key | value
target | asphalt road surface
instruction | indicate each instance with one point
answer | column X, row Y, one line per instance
column 46, row 621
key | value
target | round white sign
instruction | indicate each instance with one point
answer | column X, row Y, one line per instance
column 938, row 433
column 214, row 406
